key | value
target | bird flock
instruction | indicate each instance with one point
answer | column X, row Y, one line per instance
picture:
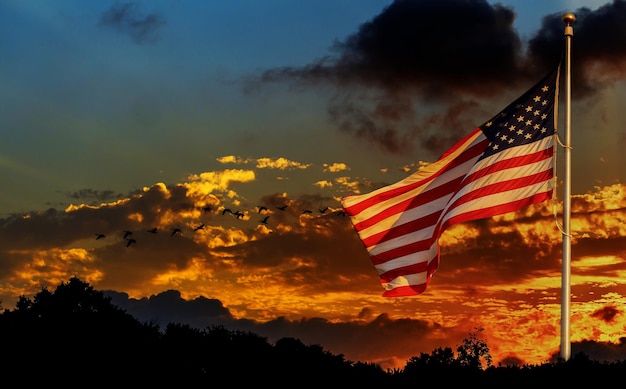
column 128, row 239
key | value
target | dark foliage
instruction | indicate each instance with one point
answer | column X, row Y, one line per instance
column 75, row 337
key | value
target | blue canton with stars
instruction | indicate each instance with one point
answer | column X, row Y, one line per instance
column 526, row 120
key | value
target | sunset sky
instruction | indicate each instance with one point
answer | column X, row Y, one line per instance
column 129, row 116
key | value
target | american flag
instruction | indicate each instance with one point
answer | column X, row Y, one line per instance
column 502, row 166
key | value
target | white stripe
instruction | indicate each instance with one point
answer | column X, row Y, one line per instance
column 513, row 152
column 421, row 174
column 410, row 259
column 499, row 199
column 405, row 217
column 408, row 280
column 500, row 176
column 415, row 213
column 403, row 240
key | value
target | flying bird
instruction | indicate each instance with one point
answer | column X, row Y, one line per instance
column 262, row 208
column 239, row 214
column 152, row 230
column 307, row 211
column 99, row 236
column 175, row 231
column 323, row 210
column 207, row 209
column 227, row 210
column 282, row 207
column 264, row 220
column 200, row 227
column 130, row 241
column 127, row 233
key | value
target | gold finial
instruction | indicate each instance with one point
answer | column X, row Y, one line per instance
column 569, row 18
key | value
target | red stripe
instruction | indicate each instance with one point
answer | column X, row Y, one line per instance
column 511, row 163
column 370, row 201
column 498, row 209
column 503, row 186
column 412, row 290
column 405, row 291
column 401, row 251
column 463, row 141
column 412, row 203
column 403, row 229
column 420, row 267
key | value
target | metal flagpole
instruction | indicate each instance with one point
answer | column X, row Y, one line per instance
column 568, row 19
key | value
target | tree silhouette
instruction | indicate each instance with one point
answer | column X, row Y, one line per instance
column 441, row 358
column 473, row 351
column 74, row 332
column 74, row 336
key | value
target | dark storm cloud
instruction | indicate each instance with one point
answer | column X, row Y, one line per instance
column 86, row 195
column 51, row 228
column 424, row 46
column 127, row 18
column 357, row 339
column 170, row 307
column 429, row 50
column 423, row 72
column 598, row 54
column 606, row 314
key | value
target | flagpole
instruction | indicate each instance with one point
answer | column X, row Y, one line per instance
column 568, row 19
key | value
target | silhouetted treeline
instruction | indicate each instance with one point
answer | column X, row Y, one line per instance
column 75, row 336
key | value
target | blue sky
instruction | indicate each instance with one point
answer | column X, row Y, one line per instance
column 93, row 105
column 132, row 115
column 105, row 106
